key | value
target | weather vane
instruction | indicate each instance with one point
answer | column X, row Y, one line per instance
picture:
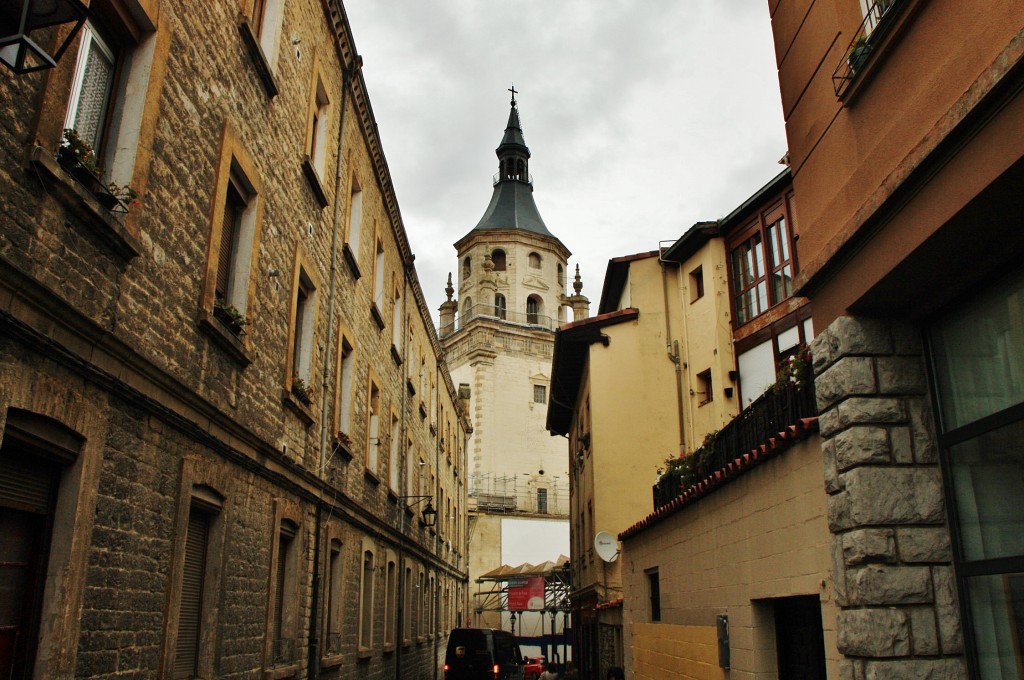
column 514, row 92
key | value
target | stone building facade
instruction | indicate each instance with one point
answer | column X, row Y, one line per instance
column 224, row 410
column 498, row 335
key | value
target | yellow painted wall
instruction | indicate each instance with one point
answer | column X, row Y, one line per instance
column 665, row 651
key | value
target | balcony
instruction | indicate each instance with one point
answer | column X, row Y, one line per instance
column 767, row 426
column 867, row 39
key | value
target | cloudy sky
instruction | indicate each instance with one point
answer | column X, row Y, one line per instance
column 643, row 116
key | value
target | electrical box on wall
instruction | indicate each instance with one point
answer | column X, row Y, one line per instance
column 723, row 640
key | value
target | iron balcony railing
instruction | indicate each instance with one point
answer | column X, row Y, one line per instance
column 771, row 413
column 498, row 177
column 500, row 314
column 876, row 22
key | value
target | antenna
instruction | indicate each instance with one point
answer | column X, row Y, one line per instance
column 606, row 546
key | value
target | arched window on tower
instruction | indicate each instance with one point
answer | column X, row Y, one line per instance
column 467, row 267
column 534, row 307
column 467, row 311
column 534, row 260
column 561, row 277
column 521, row 170
column 498, row 258
column 499, row 306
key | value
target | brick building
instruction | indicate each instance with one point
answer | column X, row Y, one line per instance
column 224, row 411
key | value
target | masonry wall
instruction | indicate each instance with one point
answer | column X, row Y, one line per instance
column 107, row 330
column 764, row 535
column 898, row 612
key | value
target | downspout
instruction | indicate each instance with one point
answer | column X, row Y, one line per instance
column 437, row 535
column 672, row 349
column 313, row 661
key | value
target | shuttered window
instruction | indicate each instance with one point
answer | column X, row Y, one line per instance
column 192, row 582
column 281, row 650
column 234, row 206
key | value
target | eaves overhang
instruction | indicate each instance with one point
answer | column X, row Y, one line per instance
column 615, row 278
column 572, row 347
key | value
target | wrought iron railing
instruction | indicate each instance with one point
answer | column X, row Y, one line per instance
column 876, row 21
column 771, row 413
column 501, row 314
column 499, row 176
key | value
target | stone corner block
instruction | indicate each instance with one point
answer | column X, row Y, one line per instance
column 861, row 445
column 869, row 546
column 881, row 585
column 876, row 632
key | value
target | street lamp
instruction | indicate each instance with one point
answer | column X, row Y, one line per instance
column 566, row 607
column 19, row 51
column 429, row 514
column 512, row 618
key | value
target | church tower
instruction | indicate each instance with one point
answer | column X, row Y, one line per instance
column 498, row 337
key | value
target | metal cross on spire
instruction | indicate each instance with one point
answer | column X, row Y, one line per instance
column 514, row 92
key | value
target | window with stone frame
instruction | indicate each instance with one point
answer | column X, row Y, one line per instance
column 35, row 454
column 379, row 274
column 534, row 260
column 373, row 425
column 319, row 122
column 233, row 246
column 334, row 616
column 284, row 623
column 366, row 595
column 196, row 579
column 390, row 601
column 300, row 333
column 498, row 258
column 534, row 307
column 407, row 587
column 266, row 17
column 343, row 403
column 397, row 312
column 354, row 224
column 761, row 264
column 500, row 306
column 394, row 455
column 540, row 394
column 112, row 75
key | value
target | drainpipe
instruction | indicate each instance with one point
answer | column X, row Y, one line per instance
column 437, row 534
column 402, row 446
column 672, row 349
column 313, row 661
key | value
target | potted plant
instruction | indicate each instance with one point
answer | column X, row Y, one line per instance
column 230, row 316
column 301, row 390
column 78, row 157
column 859, row 54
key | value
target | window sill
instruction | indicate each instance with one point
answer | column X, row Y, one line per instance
column 224, row 338
column 331, row 661
column 411, row 387
column 371, row 476
column 389, row 647
column 338, row 446
column 350, row 260
column 121, row 240
column 282, row 672
column 303, row 411
column 423, row 411
column 377, row 317
column 259, row 59
column 396, row 356
column 433, row 431
column 880, row 42
column 364, row 653
column 313, row 177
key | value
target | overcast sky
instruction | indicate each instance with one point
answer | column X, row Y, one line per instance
column 642, row 116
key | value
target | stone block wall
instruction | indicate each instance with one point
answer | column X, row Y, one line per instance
column 892, row 560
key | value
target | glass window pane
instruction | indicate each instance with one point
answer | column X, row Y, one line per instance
column 759, row 250
column 762, row 297
column 783, row 239
column 997, row 613
column 97, row 78
column 988, row 475
column 979, row 354
column 773, row 245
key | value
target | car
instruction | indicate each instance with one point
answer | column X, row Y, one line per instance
column 533, row 667
column 482, row 654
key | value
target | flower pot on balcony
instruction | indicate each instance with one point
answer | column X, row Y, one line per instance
column 858, row 56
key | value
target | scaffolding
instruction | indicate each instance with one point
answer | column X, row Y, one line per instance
column 519, row 494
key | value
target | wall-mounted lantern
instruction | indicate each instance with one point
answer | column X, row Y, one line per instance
column 19, row 50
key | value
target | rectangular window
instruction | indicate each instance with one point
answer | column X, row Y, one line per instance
column 407, row 622
column 93, row 89
column 366, row 602
column 395, row 440
column 654, row 593
column 750, row 290
column 373, row 428
column 761, row 265
column 540, row 394
column 705, row 387
column 696, row 284
column 282, row 650
column 335, row 574
column 396, row 321
column 346, row 370
column 267, row 16
column 977, row 354
column 390, row 602
column 301, row 333
column 355, row 218
column 319, row 111
column 378, row 278
column 190, row 607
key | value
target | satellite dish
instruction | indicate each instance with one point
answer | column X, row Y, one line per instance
column 606, row 546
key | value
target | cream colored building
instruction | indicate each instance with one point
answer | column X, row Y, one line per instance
column 498, row 338
column 631, row 391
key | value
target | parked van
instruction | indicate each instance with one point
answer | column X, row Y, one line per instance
column 482, row 654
